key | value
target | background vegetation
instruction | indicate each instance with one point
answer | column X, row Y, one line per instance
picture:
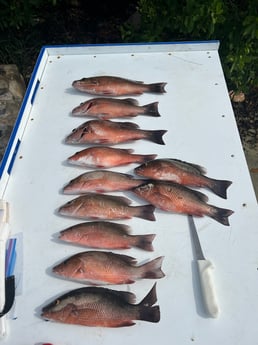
column 27, row 25
column 233, row 22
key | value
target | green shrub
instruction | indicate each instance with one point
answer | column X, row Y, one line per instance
column 16, row 14
column 234, row 23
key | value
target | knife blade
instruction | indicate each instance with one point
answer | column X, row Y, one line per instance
column 205, row 268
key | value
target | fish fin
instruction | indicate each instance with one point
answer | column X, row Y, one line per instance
column 126, row 150
column 221, row 215
column 128, row 125
column 124, row 323
column 145, row 212
column 125, row 228
column 134, row 81
column 199, row 195
column 148, row 312
column 152, row 269
column 146, row 158
column 131, row 101
column 121, row 199
column 145, row 242
column 157, row 87
column 126, row 296
column 183, row 164
column 108, row 93
column 151, row 314
column 219, row 187
column 156, row 136
column 151, row 109
column 126, row 258
column 150, row 298
column 104, row 116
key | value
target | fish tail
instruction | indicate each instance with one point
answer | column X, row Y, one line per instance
column 156, row 136
column 157, row 87
column 151, row 314
column 145, row 242
column 145, row 212
column 152, row 109
column 220, row 187
column 152, row 269
column 147, row 311
column 221, row 215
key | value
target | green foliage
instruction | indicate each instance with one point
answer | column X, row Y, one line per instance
column 16, row 14
column 233, row 22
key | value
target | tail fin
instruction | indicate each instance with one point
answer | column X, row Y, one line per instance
column 145, row 212
column 151, row 314
column 151, row 109
column 157, row 87
column 220, row 187
column 152, row 269
column 150, row 298
column 221, row 215
column 156, row 136
column 145, row 242
column 146, row 309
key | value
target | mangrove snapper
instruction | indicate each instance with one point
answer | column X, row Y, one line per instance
column 99, row 267
column 107, row 157
column 102, row 307
column 184, row 173
column 101, row 206
column 116, row 86
column 109, row 108
column 173, row 197
column 109, row 132
column 101, row 181
column 106, row 235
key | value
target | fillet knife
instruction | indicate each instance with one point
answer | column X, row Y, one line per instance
column 205, row 268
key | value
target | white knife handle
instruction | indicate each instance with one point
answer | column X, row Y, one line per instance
column 207, row 286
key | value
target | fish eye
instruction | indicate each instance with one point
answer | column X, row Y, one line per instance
column 73, row 130
column 57, row 302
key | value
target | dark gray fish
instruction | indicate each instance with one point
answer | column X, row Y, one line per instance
column 102, row 307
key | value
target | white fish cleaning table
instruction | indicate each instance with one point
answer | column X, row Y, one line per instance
column 201, row 128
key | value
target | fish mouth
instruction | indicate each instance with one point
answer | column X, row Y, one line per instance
column 75, row 83
column 69, row 190
column 73, row 161
column 57, row 270
column 69, row 140
column 66, row 211
column 45, row 316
